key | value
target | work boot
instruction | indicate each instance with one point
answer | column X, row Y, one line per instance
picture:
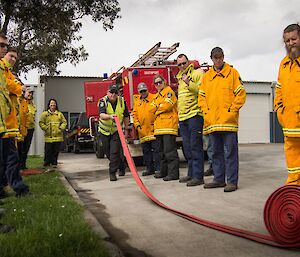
column 122, row 173
column 147, row 173
column 209, row 172
column 159, row 175
column 194, row 182
column 4, row 228
column 6, row 194
column 112, row 177
column 185, row 179
column 230, row 188
column 214, row 184
column 169, row 178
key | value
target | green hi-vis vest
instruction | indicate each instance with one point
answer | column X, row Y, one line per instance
column 109, row 127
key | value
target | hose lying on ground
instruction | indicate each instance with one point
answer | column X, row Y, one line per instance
column 281, row 213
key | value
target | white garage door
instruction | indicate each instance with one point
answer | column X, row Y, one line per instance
column 254, row 119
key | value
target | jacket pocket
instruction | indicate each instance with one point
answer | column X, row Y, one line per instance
column 230, row 116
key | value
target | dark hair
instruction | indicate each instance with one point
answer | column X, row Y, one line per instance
column 182, row 55
column 12, row 49
column 2, row 35
column 158, row 76
column 216, row 50
column 52, row 99
column 292, row 27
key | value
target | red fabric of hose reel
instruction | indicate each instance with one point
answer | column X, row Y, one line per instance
column 281, row 213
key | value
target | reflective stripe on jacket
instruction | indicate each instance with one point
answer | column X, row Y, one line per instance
column 221, row 95
column 143, row 119
column 164, row 106
column 53, row 124
column 188, row 93
column 31, row 115
column 109, row 127
column 287, row 97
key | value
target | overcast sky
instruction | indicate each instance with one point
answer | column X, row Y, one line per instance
column 249, row 31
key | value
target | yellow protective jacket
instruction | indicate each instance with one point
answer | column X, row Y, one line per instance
column 31, row 114
column 23, row 119
column 53, row 124
column 143, row 119
column 287, row 97
column 221, row 95
column 109, row 127
column 14, row 88
column 5, row 104
column 164, row 107
column 188, row 93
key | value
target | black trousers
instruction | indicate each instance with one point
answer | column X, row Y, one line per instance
column 151, row 155
column 23, row 151
column 112, row 149
column 51, row 153
column 169, row 160
column 11, row 168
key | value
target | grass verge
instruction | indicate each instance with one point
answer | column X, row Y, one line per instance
column 48, row 223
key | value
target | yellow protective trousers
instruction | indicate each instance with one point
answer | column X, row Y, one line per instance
column 292, row 155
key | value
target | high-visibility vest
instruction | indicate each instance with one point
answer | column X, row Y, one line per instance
column 109, row 127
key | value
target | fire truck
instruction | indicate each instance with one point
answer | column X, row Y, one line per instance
column 154, row 61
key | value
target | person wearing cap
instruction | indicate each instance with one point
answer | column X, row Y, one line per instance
column 287, row 101
column 221, row 95
column 110, row 106
column 164, row 107
column 30, row 127
column 190, row 120
column 143, row 121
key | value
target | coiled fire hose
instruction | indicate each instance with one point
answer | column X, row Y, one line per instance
column 281, row 213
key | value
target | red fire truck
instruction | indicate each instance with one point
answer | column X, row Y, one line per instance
column 154, row 61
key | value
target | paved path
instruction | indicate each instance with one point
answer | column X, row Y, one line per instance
column 140, row 228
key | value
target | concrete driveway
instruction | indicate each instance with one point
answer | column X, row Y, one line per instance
column 140, row 228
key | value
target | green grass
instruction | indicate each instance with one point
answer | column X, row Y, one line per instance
column 48, row 223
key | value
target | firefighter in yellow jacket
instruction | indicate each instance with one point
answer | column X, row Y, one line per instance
column 143, row 121
column 164, row 107
column 190, row 120
column 221, row 95
column 287, row 101
column 30, row 127
column 23, row 121
column 10, row 155
column 53, row 123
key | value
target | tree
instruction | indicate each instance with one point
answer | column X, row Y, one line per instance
column 45, row 31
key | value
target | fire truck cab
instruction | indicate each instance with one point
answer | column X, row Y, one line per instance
column 153, row 62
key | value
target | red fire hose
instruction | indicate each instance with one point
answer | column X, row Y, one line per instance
column 281, row 214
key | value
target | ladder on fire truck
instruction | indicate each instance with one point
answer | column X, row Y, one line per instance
column 156, row 55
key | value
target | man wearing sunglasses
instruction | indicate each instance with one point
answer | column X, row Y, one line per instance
column 190, row 120
column 110, row 106
column 143, row 121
